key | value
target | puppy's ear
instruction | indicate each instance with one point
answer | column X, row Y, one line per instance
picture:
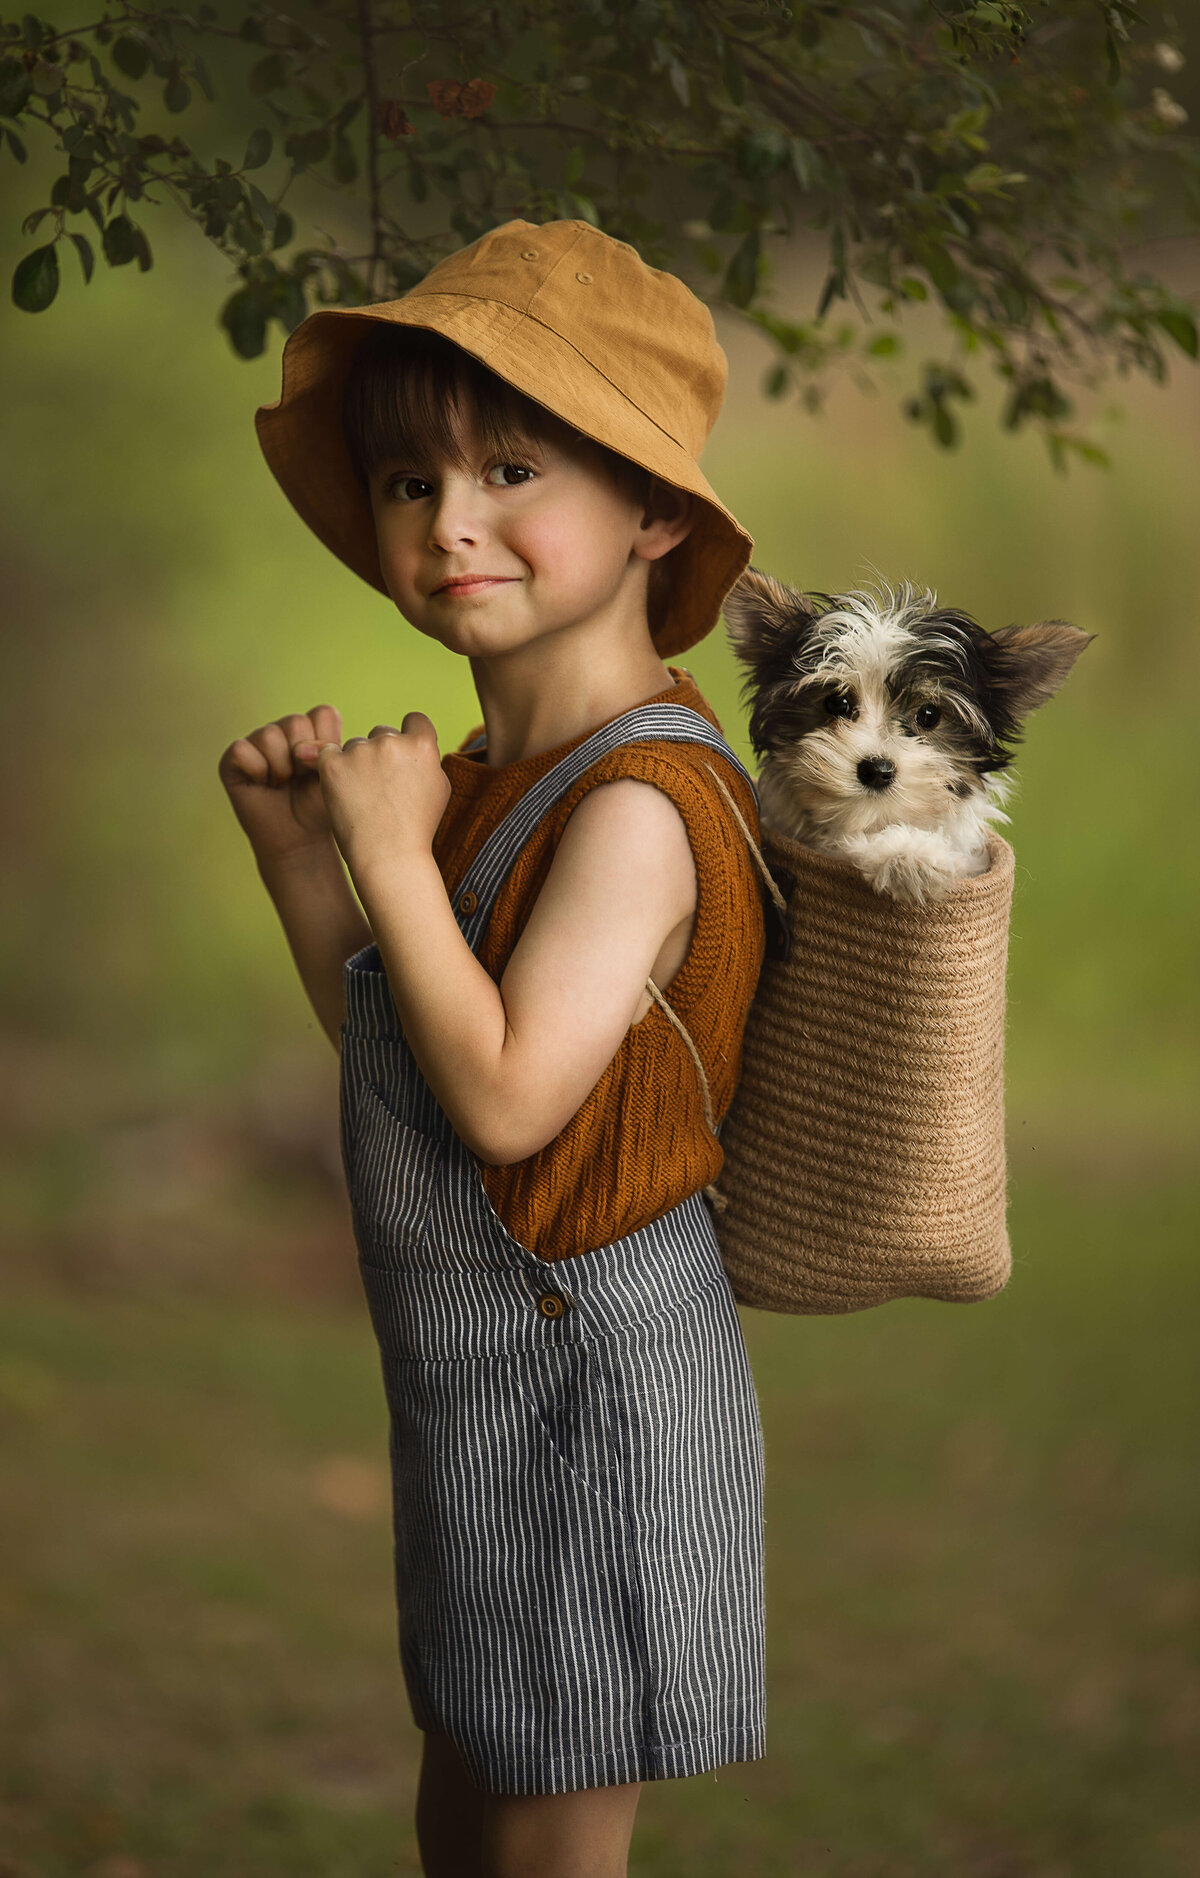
column 1034, row 662
column 765, row 617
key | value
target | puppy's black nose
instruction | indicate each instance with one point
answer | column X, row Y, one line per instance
column 876, row 772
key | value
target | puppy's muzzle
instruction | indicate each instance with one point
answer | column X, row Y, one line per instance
column 876, row 772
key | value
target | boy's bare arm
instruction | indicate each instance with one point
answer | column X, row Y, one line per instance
column 511, row 1063
column 276, row 796
column 323, row 923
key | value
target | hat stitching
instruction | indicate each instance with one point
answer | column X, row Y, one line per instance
column 485, row 300
column 418, row 292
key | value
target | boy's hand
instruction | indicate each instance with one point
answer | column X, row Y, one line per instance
column 273, row 781
column 385, row 794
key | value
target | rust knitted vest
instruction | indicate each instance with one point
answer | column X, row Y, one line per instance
column 639, row 1143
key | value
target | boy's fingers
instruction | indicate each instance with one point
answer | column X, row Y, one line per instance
column 243, row 759
column 273, row 741
column 325, row 723
column 416, row 723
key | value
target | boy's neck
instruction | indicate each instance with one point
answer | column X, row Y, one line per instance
column 561, row 688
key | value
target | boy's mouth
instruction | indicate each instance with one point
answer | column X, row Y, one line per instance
column 461, row 584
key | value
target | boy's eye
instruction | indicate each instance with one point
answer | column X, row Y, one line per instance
column 508, row 475
column 408, row 488
column 840, row 704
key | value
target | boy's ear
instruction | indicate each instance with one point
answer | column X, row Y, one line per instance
column 667, row 517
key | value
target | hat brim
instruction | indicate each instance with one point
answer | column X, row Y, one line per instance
column 303, row 441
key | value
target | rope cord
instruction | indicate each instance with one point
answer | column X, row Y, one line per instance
column 671, row 1016
column 755, row 850
column 665, row 1008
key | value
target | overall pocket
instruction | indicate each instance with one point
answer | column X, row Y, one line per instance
column 391, row 1172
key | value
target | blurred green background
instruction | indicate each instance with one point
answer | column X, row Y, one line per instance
column 982, row 1529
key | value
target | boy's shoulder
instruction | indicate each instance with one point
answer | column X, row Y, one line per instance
column 693, row 775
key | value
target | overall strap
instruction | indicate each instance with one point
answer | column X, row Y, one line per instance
column 647, row 723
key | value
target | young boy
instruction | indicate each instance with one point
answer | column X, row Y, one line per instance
column 528, row 1123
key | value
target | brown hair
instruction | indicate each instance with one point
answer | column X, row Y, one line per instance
column 405, row 395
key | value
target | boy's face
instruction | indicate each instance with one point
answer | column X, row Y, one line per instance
column 490, row 555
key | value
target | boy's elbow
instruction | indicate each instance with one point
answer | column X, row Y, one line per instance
column 503, row 1147
column 500, row 1140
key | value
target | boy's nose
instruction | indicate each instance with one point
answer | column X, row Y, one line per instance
column 456, row 522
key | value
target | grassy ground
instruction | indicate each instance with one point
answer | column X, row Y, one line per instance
column 981, row 1583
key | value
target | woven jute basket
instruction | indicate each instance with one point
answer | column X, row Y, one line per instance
column 864, row 1150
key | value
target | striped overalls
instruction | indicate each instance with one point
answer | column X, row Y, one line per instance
column 575, row 1446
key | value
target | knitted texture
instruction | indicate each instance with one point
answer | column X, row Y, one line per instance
column 639, row 1144
column 864, row 1149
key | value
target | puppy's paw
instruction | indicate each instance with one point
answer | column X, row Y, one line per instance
column 915, row 865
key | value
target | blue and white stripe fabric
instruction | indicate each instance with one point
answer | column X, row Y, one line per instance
column 576, row 1450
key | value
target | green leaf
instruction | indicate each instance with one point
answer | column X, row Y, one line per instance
column 290, row 306
column 761, row 153
column 938, row 264
column 777, row 381
column 884, row 346
column 35, row 282
column 264, row 210
column 47, row 79
column 804, row 162
column 258, row 150
column 245, row 320
column 741, row 276
column 177, row 95
column 1181, row 327
column 285, row 230
column 268, row 75
column 130, row 56
column 119, row 241
column 679, row 81
column 312, row 146
column 14, row 87
column 17, row 147
column 945, row 429
column 32, row 30
column 87, row 259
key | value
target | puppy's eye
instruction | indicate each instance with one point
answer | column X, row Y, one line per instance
column 927, row 717
column 840, row 704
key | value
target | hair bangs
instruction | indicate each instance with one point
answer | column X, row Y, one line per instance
column 409, row 394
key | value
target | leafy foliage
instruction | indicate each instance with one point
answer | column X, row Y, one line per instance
column 991, row 158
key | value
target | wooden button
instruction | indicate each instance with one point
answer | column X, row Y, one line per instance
column 467, row 902
column 551, row 1305
column 529, row 254
column 585, row 280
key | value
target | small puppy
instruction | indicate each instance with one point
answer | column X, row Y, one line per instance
column 883, row 723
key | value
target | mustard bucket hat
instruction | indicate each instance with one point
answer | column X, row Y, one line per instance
column 577, row 322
